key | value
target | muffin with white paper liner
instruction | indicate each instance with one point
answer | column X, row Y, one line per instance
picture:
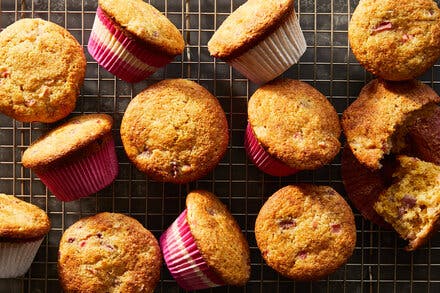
column 261, row 39
column 22, row 230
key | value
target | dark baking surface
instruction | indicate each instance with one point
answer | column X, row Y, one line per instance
column 379, row 263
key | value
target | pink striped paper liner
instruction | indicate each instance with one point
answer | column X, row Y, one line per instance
column 82, row 177
column 183, row 258
column 122, row 55
column 262, row 159
column 17, row 257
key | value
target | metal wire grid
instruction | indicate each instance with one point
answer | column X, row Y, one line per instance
column 378, row 265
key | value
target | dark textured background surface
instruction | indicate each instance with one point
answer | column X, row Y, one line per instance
column 379, row 263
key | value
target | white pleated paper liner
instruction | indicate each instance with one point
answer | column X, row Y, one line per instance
column 273, row 55
column 17, row 257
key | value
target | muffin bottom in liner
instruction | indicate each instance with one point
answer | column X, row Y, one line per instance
column 184, row 260
column 125, row 57
column 262, row 159
column 81, row 177
column 17, row 257
column 273, row 55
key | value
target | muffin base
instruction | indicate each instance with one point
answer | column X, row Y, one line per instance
column 262, row 159
column 273, row 55
column 184, row 260
column 120, row 54
column 84, row 176
column 17, row 257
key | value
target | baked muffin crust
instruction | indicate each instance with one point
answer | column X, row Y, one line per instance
column 42, row 68
column 248, row 25
column 146, row 23
column 382, row 107
column 175, row 131
column 77, row 133
column 295, row 123
column 396, row 39
column 108, row 252
column 218, row 237
column 305, row 232
column 20, row 220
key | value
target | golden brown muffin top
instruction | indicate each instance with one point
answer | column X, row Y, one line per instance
column 20, row 220
column 66, row 139
column 218, row 237
column 175, row 131
column 412, row 203
column 247, row 25
column 295, row 123
column 42, row 68
column 370, row 122
column 305, row 232
column 108, row 252
column 396, row 39
column 146, row 23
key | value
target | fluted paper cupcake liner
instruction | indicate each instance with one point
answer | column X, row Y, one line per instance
column 273, row 55
column 82, row 177
column 262, row 159
column 121, row 55
column 183, row 258
column 17, row 257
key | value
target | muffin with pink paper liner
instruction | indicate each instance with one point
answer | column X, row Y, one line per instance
column 292, row 127
column 75, row 159
column 132, row 39
column 22, row 229
column 261, row 39
column 205, row 247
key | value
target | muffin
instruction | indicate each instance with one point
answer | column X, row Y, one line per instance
column 305, row 232
column 175, row 131
column 412, row 203
column 261, row 39
column 364, row 185
column 395, row 39
column 292, row 127
column 108, row 252
column 132, row 39
column 204, row 247
column 22, row 229
column 75, row 159
column 42, row 68
column 375, row 123
column 423, row 137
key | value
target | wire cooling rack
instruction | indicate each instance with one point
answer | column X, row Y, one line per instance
column 378, row 264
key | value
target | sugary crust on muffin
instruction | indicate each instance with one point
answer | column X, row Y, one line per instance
column 396, row 40
column 370, row 122
column 412, row 203
column 295, row 123
column 42, row 68
column 218, row 237
column 305, row 232
column 66, row 139
column 146, row 23
column 20, row 220
column 247, row 25
column 175, row 131
column 108, row 252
